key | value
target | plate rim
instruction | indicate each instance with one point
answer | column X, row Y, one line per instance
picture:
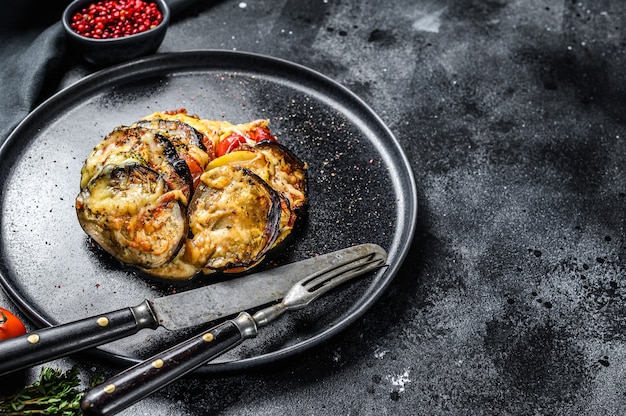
column 140, row 68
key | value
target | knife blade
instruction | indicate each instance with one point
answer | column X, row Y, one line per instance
column 177, row 311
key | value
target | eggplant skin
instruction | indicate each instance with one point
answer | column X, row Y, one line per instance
column 147, row 146
column 234, row 218
column 180, row 133
column 189, row 143
column 129, row 210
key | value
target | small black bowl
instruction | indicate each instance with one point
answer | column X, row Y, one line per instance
column 112, row 51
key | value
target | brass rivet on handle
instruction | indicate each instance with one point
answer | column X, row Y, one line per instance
column 208, row 337
column 158, row 363
column 33, row 338
column 110, row 388
column 103, row 321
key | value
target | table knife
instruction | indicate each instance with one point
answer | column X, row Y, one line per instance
column 173, row 312
column 145, row 378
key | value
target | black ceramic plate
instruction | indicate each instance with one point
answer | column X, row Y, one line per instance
column 361, row 189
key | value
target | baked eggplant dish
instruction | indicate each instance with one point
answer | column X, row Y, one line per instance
column 174, row 195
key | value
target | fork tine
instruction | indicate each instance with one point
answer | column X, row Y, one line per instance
column 341, row 273
column 310, row 289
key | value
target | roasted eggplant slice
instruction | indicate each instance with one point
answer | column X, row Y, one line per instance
column 234, row 219
column 209, row 132
column 189, row 143
column 281, row 169
column 145, row 145
column 180, row 132
column 276, row 165
column 129, row 210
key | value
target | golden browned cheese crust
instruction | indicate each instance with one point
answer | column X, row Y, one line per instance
column 130, row 212
column 233, row 217
column 285, row 173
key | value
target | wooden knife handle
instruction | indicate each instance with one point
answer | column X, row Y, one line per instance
column 145, row 378
column 58, row 341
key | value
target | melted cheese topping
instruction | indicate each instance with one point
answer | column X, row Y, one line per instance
column 138, row 142
column 211, row 133
column 244, row 205
column 125, row 200
column 131, row 213
column 270, row 164
column 229, row 220
column 214, row 130
column 177, row 268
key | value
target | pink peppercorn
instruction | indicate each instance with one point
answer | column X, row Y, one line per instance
column 110, row 19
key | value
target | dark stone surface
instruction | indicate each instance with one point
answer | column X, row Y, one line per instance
column 512, row 298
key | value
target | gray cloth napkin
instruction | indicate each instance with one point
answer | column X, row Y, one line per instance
column 26, row 58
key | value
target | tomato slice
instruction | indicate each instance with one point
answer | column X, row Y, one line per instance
column 10, row 325
column 259, row 134
column 229, row 143
column 194, row 168
column 234, row 140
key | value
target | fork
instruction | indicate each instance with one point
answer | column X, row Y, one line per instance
column 145, row 378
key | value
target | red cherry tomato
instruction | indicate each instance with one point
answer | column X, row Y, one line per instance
column 10, row 325
column 228, row 144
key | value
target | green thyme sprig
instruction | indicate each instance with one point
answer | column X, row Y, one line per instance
column 55, row 393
